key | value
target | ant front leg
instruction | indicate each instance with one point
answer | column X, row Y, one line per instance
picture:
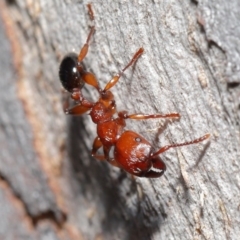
column 137, row 116
column 97, row 144
column 115, row 79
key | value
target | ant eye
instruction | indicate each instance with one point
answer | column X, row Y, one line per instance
column 69, row 74
column 138, row 139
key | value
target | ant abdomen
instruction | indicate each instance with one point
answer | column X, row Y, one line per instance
column 69, row 74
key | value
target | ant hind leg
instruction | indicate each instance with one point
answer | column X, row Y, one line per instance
column 115, row 79
column 84, row 50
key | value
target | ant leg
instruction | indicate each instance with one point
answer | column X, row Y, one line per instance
column 84, row 50
column 90, row 11
column 163, row 149
column 115, row 79
column 91, row 80
column 113, row 162
column 98, row 144
column 82, row 105
column 137, row 116
column 65, row 100
column 88, row 77
column 77, row 110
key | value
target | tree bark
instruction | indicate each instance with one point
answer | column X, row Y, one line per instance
column 50, row 186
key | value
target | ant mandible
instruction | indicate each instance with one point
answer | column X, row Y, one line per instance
column 132, row 152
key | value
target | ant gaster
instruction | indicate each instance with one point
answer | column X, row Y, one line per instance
column 132, row 152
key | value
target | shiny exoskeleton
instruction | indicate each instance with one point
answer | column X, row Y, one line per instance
column 132, row 152
column 69, row 75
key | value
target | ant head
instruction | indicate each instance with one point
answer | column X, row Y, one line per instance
column 69, row 72
column 157, row 168
column 150, row 168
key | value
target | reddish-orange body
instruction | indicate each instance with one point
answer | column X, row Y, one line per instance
column 132, row 152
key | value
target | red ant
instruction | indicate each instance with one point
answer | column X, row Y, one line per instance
column 132, row 152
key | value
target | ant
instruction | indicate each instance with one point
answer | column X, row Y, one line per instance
column 132, row 152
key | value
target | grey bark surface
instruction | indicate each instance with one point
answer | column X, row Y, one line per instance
column 50, row 186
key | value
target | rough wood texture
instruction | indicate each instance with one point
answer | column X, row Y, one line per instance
column 49, row 183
